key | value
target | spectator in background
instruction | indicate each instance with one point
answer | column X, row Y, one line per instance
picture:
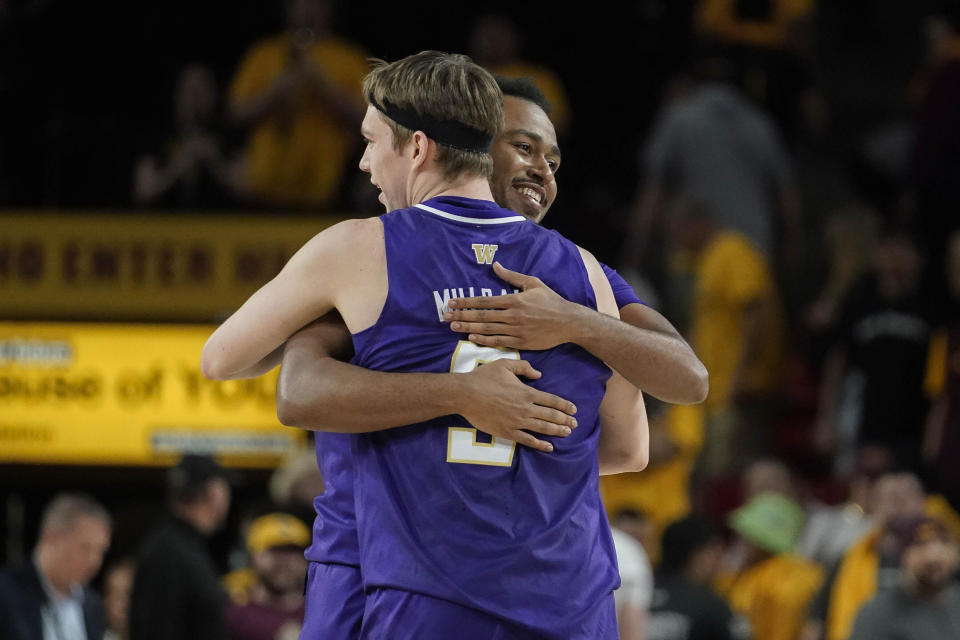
column 636, row 586
column 942, row 437
column 176, row 591
column 272, row 607
column 925, row 605
column 755, row 24
column 934, row 192
column 49, row 598
column 295, row 484
column 117, row 587
column 851, row 235
column 712, row 146
column 298, row 95
column 872, row 387
column 495, row 43
column 771, row 42
column 770, row 586
column 737, row 331
column 870, row 566
column 684, row 606
column 830, row 530
column 662, row 490
column 193, row 170
column 768, row 474
column 637, row 525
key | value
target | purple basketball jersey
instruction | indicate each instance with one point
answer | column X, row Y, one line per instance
column 444, row 510
column 335, row 527
column 623, row 293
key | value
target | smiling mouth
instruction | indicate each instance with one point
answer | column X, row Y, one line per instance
column 535, row 194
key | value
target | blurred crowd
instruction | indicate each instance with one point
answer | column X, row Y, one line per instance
column 811, row 259
column 170, row 585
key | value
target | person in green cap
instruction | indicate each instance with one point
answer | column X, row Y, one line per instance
column 772, row 586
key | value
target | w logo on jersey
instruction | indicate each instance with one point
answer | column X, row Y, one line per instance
column 485, row 252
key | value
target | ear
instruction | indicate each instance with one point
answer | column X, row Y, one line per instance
column 423, row 148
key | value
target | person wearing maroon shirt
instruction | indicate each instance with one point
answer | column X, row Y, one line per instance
column 272, row 607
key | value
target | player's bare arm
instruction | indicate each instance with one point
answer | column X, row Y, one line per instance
column 644, row 347
column 343, row 267
column 624, row 443
column 318, row 391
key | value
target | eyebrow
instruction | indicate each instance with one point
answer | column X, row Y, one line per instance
column 535, row 137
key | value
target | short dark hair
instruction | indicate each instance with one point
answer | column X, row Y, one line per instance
column 187, row 482
column 683, row 538
column 525, row 89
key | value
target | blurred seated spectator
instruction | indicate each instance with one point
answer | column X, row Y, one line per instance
column 194, row 169
column 297, row 93
column 872, row 384
column 662, row 490
column 765, row 582
column 176, row 589
column 768, row 475
column 495, row 43
column 684, row 606
column 49, row 598
column 636, row 585
column 117, row 587
column 271, row 608
column 925, row 604
column 295, row 484
column 869, row 566
column 830, row 530
column 738, row 332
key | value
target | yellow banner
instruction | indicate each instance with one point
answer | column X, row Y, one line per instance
column 141, row 267
column 129, row 394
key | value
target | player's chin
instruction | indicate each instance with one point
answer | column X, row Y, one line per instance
column 526, row 209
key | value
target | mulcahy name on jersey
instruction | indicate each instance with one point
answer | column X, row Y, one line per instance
column 441, row 299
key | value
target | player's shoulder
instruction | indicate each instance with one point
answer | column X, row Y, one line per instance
column 350, row 238
column 590, row 260
column 547, row 235
column 351, row 231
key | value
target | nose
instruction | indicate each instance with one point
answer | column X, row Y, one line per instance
column 540, row 168
column 364, row 162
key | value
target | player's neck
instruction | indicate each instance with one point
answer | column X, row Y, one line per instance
column 475, row 187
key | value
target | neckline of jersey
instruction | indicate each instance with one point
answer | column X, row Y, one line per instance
column 469, row 210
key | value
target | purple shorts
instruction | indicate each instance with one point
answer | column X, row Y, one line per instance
column 334, row 602
column 392, row 614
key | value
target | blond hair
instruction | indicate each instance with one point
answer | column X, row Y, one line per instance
column 441, row 86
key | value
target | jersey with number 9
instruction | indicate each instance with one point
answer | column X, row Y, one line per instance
column 443, row 509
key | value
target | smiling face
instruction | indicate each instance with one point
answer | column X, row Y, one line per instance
column 525, row 160
column 387, row 166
